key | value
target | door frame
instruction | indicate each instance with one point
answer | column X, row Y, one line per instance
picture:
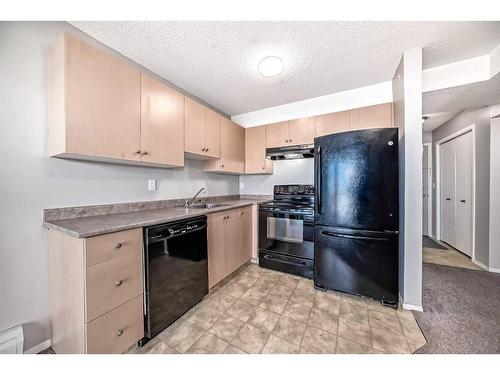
column 470, row 128
column 429, row 188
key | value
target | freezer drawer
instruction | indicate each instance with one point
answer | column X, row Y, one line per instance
column 357, row 262
column 288, row 264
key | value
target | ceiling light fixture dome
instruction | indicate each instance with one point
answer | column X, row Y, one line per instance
column 271, row 66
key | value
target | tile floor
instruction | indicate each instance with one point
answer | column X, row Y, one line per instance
column 263, row 311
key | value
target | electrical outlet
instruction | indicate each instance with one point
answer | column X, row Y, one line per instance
column 151, row 185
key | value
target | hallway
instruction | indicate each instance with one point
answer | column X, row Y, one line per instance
column 460, row 304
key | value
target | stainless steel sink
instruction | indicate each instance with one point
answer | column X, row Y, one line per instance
column 204, row 205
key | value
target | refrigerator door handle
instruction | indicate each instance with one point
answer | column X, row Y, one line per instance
column 327, row 233
column 318, row 180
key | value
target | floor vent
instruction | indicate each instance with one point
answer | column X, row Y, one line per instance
column 11, row 341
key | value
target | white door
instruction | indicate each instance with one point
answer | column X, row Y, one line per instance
column 456, row 176
column 425, row 191
column 447, row 192
column 464, row 170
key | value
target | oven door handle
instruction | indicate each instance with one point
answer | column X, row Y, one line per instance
column 281, row 260
column 352, row 237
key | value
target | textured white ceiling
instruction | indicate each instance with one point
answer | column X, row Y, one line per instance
column 217, row 61
column 435, row 120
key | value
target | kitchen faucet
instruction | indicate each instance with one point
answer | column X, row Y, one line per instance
column 189, row 202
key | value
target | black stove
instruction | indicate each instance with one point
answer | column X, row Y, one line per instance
column 286, row 230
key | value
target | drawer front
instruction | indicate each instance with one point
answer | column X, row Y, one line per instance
column 112, row 246
column 117, row 330
column 113, row 283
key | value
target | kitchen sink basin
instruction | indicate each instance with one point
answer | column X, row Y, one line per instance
column 205, row 205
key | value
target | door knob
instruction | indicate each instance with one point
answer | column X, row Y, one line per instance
column 118, row 245
column 119, row 283
column 119, row 332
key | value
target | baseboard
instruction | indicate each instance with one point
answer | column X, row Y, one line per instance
column 408, row 306
column 485, row 267
column 254, row 260
column 38, row 348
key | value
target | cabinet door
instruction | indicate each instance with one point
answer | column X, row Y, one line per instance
column 162, row 123
column 246, row 234
column 375, row 116
column 212, row 123
column 194, row 128
column 277, row 134
column 302, row 131
column 233, row 240
column 102, row 103
column 216, row 248
column 232, row 147
column 333, row 123
column 255, row 151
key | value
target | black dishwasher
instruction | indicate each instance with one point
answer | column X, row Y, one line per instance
column 176, row 271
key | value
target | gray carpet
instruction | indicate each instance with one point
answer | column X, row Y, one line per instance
column 461, row 310
column 430, row 243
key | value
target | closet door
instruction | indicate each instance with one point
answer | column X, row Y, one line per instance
column 463, row 202
column 447, row 192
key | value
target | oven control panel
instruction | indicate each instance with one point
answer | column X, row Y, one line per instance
column 294, row 189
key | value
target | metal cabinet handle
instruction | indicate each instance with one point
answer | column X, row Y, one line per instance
column 206, row 150
column 462, row 200
column 290, row 140
column 118, row 245
column 138, row 152
column 119, row 332
column 119, row 283
column 448, row 199
column 144, row 153
column 203, row 149
column 222, row 166
column 286, row 140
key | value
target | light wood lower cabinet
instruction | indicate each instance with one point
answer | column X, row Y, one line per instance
column 96, row 292
column 229, row 242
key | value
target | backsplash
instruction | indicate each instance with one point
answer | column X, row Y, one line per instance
column 299, row 171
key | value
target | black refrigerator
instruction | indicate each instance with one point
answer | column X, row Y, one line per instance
column 356, row 213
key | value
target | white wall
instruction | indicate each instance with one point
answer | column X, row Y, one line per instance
column 407, row 92
column 494, row 241
column 285, row 172
column 481, row 118
column 31, row 181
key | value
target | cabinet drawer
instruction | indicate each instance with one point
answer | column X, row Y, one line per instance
column 117, row 330
column 113, row 246
column 113, row 283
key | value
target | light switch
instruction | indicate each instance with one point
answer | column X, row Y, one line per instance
column 151, row 185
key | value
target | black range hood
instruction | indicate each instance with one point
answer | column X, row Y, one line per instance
column 290, row 152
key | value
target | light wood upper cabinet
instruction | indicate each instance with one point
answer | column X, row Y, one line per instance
column 277, row 134
column 302, row 131
column 202, row 130
column 333, row 123
column 255, row 151
column 162, row 123
column 94, row 103
column 375, row 116
column 213, row 129
column 232, row 150
column 290, row 133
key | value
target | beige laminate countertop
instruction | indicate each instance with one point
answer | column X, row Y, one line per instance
column 96, row 225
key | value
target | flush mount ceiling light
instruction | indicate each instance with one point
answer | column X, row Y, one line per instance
column 271, row 66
